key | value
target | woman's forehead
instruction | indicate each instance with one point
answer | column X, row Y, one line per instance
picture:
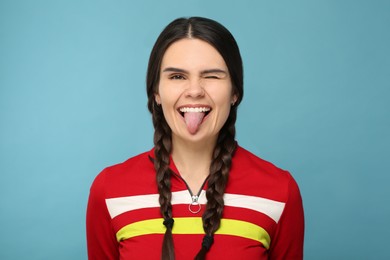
column 192, row 54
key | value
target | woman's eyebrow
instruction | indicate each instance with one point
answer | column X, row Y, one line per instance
column 203, row 72
column 210, row 71
column 172, row 69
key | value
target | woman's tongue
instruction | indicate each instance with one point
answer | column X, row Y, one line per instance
column 193, row 121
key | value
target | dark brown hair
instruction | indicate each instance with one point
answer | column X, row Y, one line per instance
column 222, row 40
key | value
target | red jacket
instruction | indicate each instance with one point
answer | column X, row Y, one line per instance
column 262, row 218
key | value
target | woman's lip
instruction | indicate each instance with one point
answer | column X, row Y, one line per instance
column 204, row 108
column 194, row 106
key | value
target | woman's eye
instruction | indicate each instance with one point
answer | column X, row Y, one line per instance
column 177, row 77
column 211, row 77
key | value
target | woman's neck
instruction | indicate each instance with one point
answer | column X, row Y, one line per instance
column 193, row 161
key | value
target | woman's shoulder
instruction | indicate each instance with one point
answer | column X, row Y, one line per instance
column 138, row 162
column 253, row 175
column 128, row 175
column 247, row 160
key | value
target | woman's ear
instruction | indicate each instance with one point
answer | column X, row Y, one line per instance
column 157, row 98
column 234, row 99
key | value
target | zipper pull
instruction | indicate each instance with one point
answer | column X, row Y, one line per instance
column 195, row 199
column 194, row 207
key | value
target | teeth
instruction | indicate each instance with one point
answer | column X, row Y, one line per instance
column 194, row 109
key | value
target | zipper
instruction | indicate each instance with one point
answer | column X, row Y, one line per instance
column 194, row 206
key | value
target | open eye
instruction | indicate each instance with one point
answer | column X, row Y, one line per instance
column 176, row 77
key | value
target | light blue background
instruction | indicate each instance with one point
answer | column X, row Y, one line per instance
column 72, row 101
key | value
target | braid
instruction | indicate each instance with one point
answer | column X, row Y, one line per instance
column 219, row 173
column 163, row 148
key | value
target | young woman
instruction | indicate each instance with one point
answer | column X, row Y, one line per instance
column 196, row 194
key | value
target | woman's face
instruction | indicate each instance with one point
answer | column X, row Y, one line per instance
column 195, row 90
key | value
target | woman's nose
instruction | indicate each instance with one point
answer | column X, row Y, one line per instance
column 195, row 89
